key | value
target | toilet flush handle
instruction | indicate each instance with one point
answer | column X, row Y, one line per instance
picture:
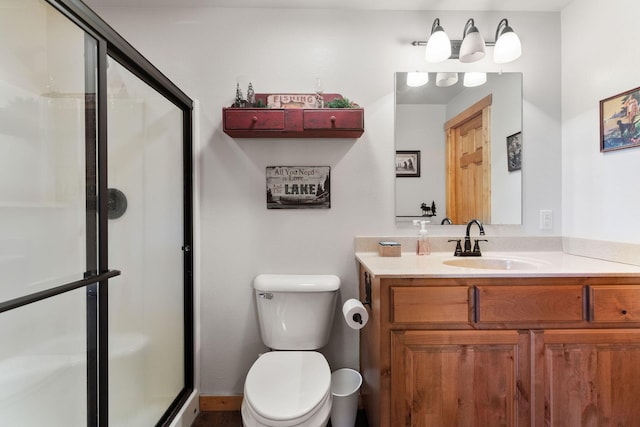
column 265, row 295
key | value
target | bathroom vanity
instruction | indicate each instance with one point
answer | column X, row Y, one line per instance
column 545, row 339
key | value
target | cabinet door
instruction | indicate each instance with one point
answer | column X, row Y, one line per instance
column 460, row 378
column 589, row 378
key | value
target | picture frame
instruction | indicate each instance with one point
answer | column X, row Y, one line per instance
column 620, row 121
column 298, row 187
column 408, row 164
column 514, row 152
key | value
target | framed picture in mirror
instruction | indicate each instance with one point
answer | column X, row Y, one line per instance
column 408, row 164
column 620, row 121
column 514, row 152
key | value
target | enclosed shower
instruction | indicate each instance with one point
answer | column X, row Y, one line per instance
column 96, row 303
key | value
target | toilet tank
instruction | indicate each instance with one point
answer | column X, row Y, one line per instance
column 296, row 311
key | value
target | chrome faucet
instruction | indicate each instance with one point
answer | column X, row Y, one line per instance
column 445, row 220
column 467, row 241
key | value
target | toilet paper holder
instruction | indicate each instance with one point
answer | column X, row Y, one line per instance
column 367, row 297
column 357, row 318
column 367, row 289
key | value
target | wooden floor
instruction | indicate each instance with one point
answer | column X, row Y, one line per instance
column 233, row 419
column 218, row 419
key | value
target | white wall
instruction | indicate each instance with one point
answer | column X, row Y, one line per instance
column 599, row 60
column 204, row 51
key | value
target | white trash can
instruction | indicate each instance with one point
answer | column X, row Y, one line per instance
column 345, row 385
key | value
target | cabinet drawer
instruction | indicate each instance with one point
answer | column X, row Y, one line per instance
column 334, row 119
column 247, row 119
column 544, row 303
column 615, row 303
column 438, row 304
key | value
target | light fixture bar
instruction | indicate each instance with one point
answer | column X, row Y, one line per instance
column 506, row 46
column 455, row 46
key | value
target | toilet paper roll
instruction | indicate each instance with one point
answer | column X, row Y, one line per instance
column 355, row 314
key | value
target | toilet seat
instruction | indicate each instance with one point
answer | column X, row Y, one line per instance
column 318, row 418
column 288, row 388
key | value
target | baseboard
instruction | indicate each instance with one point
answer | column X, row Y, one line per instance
column 220, row 403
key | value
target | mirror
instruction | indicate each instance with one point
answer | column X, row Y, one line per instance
column 458, row 149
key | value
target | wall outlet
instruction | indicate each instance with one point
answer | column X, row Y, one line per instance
column 546, row 219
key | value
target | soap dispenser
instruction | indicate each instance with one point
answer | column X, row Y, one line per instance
column 423, row 246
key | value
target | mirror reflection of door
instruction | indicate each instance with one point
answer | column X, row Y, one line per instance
column 469, row 164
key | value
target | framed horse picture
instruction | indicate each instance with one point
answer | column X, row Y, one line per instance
column 619, row 121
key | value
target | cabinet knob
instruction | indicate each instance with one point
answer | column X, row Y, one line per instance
column 624, row 311
column 254, row 119
column 333, row 118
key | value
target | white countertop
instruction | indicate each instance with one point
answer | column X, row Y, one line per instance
column 543, row 264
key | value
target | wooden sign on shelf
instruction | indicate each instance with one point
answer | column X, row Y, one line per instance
column 292, row 100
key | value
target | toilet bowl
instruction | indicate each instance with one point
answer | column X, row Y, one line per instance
column 291, row 385
column 288, row 388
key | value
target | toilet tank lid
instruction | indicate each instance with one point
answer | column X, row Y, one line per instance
column 296, row 282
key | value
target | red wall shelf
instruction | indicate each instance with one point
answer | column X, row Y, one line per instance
column 294, row 122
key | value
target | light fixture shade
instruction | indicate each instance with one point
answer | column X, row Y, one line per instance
column 439, row 45
column 508, row 47
column 472, row 48
column 416, row 79
column 446, row 79
column 473, row 79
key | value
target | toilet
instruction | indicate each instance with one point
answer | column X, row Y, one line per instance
column 291, row 385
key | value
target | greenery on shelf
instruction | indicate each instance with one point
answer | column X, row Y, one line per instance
column 340, row 103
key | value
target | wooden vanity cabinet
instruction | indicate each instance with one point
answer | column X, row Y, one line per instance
column 456, row 378
column 501, row 351
column 586, row 377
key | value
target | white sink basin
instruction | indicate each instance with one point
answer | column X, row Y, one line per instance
column 493, row 263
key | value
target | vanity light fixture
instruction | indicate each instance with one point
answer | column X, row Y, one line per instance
column 438, row 46
column 417, row 78
column 472, row 47
column 473, row 79
column 446, row 79
column 508, row 47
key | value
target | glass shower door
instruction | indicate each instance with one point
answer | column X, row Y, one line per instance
column 47, row 112
column 146, row 303
column 80, row 346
